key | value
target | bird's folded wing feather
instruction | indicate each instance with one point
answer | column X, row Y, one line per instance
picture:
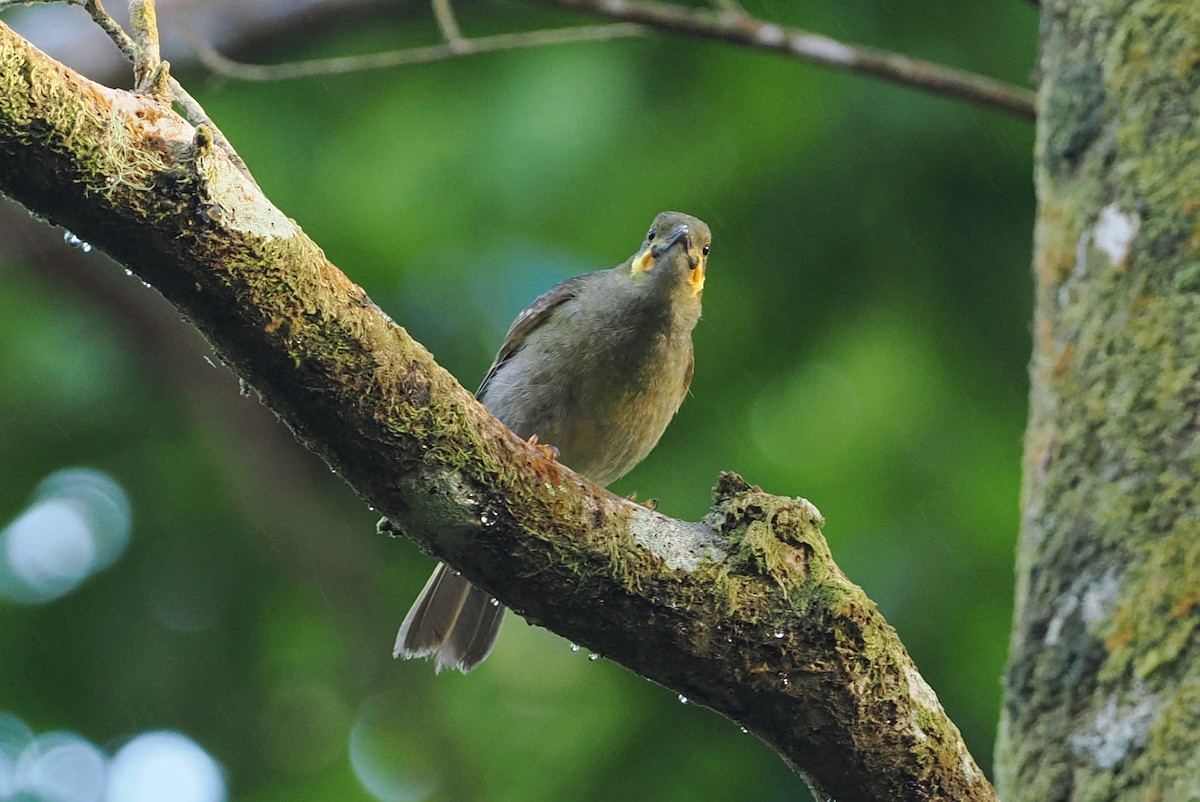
column 529, row 319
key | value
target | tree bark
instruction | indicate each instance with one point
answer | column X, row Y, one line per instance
column 1103, row 687
column 744, row 612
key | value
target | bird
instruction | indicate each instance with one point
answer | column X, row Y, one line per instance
column 593, row 370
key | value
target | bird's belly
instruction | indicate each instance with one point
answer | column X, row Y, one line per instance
column 602, row 428
column 606, row 448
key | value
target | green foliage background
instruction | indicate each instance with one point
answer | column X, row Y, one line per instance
column 864, row 345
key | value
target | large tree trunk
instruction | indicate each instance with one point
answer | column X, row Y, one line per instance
column 1103, row 685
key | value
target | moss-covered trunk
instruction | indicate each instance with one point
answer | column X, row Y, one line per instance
column 1103, row 685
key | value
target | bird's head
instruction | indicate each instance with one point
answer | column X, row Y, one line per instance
column 674, row 254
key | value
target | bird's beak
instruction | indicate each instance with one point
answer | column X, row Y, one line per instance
column 695, row 279
column 647, row 259
column 680, row 235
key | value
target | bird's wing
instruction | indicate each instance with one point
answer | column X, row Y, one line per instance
column 687, row 376
column 530, row 318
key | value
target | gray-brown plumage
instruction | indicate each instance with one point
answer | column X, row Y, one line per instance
column 595, row 367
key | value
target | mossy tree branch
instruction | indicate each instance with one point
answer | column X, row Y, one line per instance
column 744, row 612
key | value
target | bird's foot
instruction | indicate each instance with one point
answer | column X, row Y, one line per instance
column 650, row 503
column 548, row 451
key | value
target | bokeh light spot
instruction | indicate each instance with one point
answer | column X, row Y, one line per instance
column 379, row 759
column 49, row 549
column 15, row 736
column 158, row 766
column 164, row 766
column 78, row 522
column 304, row 727
column 61, row 767
column 102, row 502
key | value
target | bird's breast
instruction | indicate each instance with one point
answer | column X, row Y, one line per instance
column 605, row 403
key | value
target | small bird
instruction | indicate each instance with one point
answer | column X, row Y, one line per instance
column 596, row 368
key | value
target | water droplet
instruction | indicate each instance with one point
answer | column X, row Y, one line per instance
column 128, row 272
column 779, row 633
column 575, row 647
column 593, row 657
column 683, row 700
column 495, row 602
column 75, row 242
column 486, row 519
column 744, row 730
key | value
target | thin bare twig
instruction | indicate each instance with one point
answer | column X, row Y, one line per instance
column 222, row 65
column 144, row 21
column 148, row 69
column 447, row 24
column 10, row 3
column 800, row 44
column 192, row 109
column 110, row 26
column 730, row 24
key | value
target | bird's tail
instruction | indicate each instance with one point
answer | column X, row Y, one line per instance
column 451, row 619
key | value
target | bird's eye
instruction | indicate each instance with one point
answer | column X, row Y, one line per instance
column 650, row 235
column 705, row 249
